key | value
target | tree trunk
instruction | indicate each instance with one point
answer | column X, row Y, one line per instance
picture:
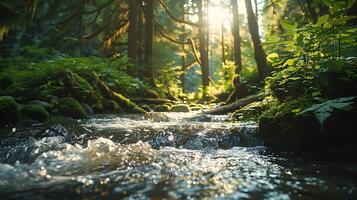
column 203, row 45
column 149, row 41
column 133, row 35
column 141, row 53
column 236, row 37
column 222, row 44
column 237, row 53
column 259, row 53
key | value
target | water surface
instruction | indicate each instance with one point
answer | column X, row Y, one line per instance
column 161, row 156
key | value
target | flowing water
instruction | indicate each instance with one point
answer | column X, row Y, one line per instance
column 161, row 156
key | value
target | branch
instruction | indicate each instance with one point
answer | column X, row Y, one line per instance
column 194, row 50
column 175, row 18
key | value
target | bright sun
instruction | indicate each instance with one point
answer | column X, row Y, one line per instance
column 219, row 14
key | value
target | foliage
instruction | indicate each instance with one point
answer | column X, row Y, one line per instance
column 291, row 82
column 27, row 72
column 329, row 38
column 324, row 110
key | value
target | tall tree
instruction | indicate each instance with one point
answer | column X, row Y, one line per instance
column 133, row 34
column 237, row 52
column 149, row 41
column 259, row 54
column 203, row 44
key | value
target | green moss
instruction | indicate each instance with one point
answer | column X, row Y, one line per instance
column 9, row 110
column 162, row 108
column 122, row 101
column 111, row 107
column 196, row 108
column 254, row 110
column 180, row 108
column 282, row 126
column 34, row 112
column 71, row 107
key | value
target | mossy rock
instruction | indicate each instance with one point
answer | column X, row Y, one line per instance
column 111, row 107
column 281, row 126
column 69, row 84
column 252, row 111
column 69, row 106
column 162, row 108
column 9, row 110
column 87, row 108
column 180, row 108
column 43, row 104
column 36, row 112
column 196, row 108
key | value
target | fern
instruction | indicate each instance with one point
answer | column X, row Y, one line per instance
column 324, row 110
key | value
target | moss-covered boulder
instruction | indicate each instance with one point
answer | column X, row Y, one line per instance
column 162, row 108
column 9, row 110
column 87, row 108
column 66, row 83
column 111, row 107
column 43, row 104
column 69, row 106
column 180, row 108
column 253, row 111
column 36, row 112
column 281, row 126
column 196, row 108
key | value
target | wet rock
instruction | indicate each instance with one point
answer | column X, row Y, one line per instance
column 162, row 108
column 180, row 108
column 87, row 108
column 112, row 107
column 28, row 122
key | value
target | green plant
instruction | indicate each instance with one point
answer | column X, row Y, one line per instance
column 324, row 110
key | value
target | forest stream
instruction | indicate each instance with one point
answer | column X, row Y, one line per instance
column 158, row 156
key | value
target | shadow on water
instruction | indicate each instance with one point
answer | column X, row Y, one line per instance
column 158, row 156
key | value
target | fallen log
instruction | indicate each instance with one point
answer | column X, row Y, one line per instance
column 123, row 102
column 153, row 101
column 235, row 106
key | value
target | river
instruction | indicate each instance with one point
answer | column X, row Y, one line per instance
column 161, row 156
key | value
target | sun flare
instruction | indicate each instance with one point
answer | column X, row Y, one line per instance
column 218, row 14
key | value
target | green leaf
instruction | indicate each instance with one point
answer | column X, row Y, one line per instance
column 323, row 19
column 324, row 110
column 287, row 25
column 289, row 62
column 272, row 57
